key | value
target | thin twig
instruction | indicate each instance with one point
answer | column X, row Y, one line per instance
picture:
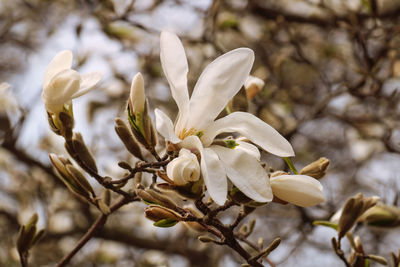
column 99, row 223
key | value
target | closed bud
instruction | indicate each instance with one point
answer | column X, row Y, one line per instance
column 381, row 215
column 82, row 150
column 205, row 239
column 128, row 139
column 253, row 85
column 352, row 210
column 79, row 179
column 316, row 169
column 137, row 98
column 140, row 121
column 301, row 190
column 60, row 163
column 195, row 225
column 184, row 169
column 162, row 216
column 379, row 259
column 104, row 208
column 107, row 197
column 153, row 197
column 27, row 236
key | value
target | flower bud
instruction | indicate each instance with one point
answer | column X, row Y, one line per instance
column 82, row 150
column 184, row 169
column 140, row 121
column 28, row 235
column 381, row 215
column 77, row 183
column 253, row 85
column 300, row 190
column 162, row 217
column 137, row 99
column 352, row 210
column 316, row 169
column 127, row 138
column 153, row 197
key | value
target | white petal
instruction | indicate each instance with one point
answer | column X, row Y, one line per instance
column 254, row 129
column 60, row 90
column 249, row 149
column 60, row 62
column 213, row 172
column 175, row 67
column 301, row 190
column 137, row 97
column 245, row 172
column 165, row 126
column 218, row 83
column 89, row 80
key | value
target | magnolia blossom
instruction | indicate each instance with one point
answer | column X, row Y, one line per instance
column 184, row 168
column 61, row 84
column 196, row 127
column 301, row 190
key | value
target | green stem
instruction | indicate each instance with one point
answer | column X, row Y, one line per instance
column 291, row 165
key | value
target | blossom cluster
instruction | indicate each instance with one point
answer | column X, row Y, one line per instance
column 197, row 144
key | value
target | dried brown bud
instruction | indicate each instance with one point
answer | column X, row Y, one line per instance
column 153, row 197
column 379, row 259
column 27, row 235
column 130, row 142
column 60, row 164
column 82, row 150
column 158, row 213
column 107, row 196
column 79, row 179
column 316, row 169
column 103, row 207
column 382, row 215
column 205, row 239
column 352, row 210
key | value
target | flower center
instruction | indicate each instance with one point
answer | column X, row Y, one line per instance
column 185, row 133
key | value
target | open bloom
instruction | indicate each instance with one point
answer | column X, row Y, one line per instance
column 301, row 190
column 196, row 127
column 184, row 168
column 61, row 84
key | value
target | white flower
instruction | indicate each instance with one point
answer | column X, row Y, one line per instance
column 61, row 84
column 196, row 127
column 301, row 190
column 184, row 169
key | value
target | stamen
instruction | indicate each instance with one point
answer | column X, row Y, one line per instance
column 185, row 133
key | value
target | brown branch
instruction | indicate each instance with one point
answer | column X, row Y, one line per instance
column 97, row 225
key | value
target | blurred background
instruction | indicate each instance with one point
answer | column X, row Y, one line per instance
column 331, row 70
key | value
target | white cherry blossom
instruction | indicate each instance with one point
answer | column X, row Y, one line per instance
column 196, row 127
